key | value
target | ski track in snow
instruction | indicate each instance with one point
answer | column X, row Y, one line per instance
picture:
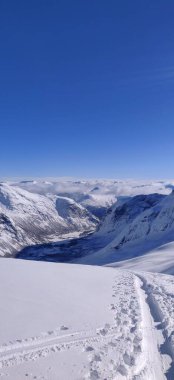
column 139, row 345
column 159, row 291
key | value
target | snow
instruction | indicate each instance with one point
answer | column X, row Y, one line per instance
column 95, row 194
column 112, row 321
column 159, row 260
column 38, row 212
column 134, row 229
column 27, row 218
column 45, row 307
column 65, row 321
column 97, row 187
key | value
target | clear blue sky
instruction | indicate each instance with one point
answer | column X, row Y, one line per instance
column 87, row 88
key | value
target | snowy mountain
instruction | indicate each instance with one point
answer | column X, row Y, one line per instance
column 135, row 228
column 37, row 215
column 130, row 228
column 156, row 219
column 27, row 218
column 125, row 211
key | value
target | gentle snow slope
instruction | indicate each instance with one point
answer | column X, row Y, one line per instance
column 63, row 321
column 159, row 260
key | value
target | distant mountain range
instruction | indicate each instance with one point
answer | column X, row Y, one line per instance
column 99, row 221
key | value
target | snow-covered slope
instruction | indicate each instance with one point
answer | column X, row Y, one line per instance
column 156, row 219
column 77, row 322
column 125, row 211
column 27, row 218
column 160, row 259
column 134, row 228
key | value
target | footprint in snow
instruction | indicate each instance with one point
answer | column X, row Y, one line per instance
column 89, row 349
column 63, row 328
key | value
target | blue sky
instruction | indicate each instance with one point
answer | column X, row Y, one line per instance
column 87, row 88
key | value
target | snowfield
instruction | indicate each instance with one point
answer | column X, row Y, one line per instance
column 159, row 260
column 64, row 321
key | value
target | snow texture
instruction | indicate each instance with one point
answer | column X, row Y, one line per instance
column 79, row 322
